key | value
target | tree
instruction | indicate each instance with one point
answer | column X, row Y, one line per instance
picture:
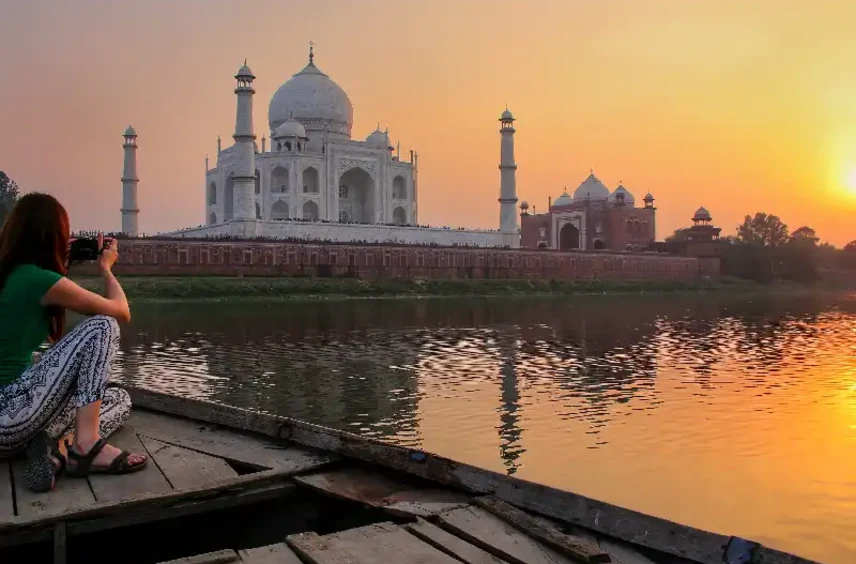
column 850, row 247
column 765, row 230
column 804, row 235
column 8, row 195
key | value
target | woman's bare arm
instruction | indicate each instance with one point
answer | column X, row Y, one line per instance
column 69, row 295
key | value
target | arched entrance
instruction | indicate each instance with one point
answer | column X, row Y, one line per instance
column 356, row 195
column 310, row 211
column 279, row 210
column 569, row 237
column 399, row 216
column 599, row 245
column 229, row 199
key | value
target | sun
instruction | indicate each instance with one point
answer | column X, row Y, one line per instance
column 850, row 180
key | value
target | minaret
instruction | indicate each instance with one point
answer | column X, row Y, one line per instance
column 508, row 184
column 244, row 205
column 129, row 185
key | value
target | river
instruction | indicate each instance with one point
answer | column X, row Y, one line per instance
column 732, row 414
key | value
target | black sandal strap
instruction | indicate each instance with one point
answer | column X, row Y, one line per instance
column 83, row 462
column 119, row 462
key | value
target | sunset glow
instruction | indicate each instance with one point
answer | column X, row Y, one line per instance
column 740, row 107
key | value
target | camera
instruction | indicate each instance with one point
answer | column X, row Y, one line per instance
column 86, row 249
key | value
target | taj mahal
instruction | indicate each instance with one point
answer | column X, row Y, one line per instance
column 311, row 180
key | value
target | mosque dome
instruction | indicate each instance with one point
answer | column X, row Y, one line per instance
column 130, row 132
column 312, row 98
column 629, row 200
column 378, row 138
column 506, row 116
column 245, row 71
column 702, row 214
column 290, row 128
column 524, row 205
column 563, row 200
column 591, row 189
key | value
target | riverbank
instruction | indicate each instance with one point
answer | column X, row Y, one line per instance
column 167, row 288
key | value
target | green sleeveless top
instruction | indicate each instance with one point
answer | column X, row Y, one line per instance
column 24, row 323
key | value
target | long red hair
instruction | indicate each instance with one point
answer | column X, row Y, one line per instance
column 37, row 232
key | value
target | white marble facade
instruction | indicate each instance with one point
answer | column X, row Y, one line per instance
column 311, row 169
column 313, row 181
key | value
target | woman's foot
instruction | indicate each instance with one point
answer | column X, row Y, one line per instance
column 45, row 462
column 100, row 457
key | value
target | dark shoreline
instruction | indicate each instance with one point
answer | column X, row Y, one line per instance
column 309, row 289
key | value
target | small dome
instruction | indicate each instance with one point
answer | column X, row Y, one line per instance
column 290, row 128
column 245, row 71
column 628, row 197
column 702, row 214
column 591, row 189
column 524, row 205
column 130, row 132
column 648, row 197
column 563, row 200
column 506, row 116
column 378, row 138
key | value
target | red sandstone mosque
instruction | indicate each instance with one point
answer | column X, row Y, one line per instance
column 592, row 219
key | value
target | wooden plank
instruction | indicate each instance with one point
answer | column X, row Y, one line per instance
column 622, row 554
column 488, row 532
column 450, row 544
column 185, row 468
column 381, row 543
column 604, row 518
column 271, row 554
column 218, row 557
column 575, row 547
column 253, row 451
column 376, row 488
column 173, row 500
column 149, row 480
column 68, row 495
column 7, row 498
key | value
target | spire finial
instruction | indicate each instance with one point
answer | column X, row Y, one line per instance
column 311, row 53
column 245, row 61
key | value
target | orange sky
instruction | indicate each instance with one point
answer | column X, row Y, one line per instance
column 737, row 106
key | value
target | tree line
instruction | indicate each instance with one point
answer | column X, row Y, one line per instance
column 765, row 250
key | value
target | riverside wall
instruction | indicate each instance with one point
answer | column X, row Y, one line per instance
column 270, row 258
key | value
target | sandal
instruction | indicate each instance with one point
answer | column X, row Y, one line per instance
column 83, row 462
column 40, row 474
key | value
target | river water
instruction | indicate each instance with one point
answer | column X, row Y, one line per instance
column 736, row 415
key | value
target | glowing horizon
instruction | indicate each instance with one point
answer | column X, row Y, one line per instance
column 739, row 108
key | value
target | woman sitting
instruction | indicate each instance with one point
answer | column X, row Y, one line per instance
column 60, row 409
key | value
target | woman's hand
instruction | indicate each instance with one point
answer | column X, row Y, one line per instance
column 109, row 256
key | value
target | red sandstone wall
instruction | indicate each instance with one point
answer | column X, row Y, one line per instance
column 181, row 258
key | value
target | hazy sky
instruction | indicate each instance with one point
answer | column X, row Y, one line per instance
column 738, row 106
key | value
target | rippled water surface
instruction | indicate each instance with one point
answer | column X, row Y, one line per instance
column 735, row 415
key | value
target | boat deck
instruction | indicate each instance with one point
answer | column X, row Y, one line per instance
column 197, row 468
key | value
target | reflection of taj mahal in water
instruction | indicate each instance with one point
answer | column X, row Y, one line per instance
column 311, row 181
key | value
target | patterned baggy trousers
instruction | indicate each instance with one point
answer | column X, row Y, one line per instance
column 73, row 373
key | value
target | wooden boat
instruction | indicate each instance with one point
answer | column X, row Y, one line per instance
column 232, row 485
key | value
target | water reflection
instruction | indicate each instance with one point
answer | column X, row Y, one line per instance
column 707, row 410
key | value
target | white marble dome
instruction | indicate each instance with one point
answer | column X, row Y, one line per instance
column 591, row 189
column 629, row 200
column 702, row 214
column 563, row 200
column 378, row 138
column 130, row 132
column 290, row 128
column 313, row 99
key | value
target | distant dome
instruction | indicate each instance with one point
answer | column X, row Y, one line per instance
column 313, row 99
column 506, row 116
column 290, row 128
column 591, row 189
column 628, row 197
column 245, row 71
column 648, row 197
column 378, row 138
column 702, row 214
column 130, row 132
column 524, row 205
column 563, row 200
